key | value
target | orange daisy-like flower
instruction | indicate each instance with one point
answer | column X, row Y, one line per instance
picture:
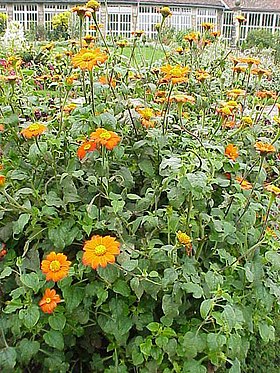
column 86, row 59
column 86, row 147
column 231, row 152
column 266, row 94
column 192, row 37
column 175, row 74
column 202, row 75
column 250, row 60
column 244, row 184
column 182, row 98
column 273, row 189
column 2, row 180
column 49, row 301
column 207, row 25
column 264, row 148
column 55, row 266
column 109, row 139
column 104, row 80
column 99, row 251
column 34, row 130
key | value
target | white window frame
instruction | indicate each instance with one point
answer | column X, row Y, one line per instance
column 51, row 10
column 26, row 14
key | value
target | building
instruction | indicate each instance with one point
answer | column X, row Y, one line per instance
column 121, row 17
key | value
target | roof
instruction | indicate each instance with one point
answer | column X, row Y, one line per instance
column 204, row 3
column 256, row 5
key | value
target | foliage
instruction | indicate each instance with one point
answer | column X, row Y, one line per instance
column 192, row 201
column 3, row 22
column 60, row 24
column 264, row 39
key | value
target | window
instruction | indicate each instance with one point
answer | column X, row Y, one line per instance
column 205, row 15
column 180, row 19
column 227, row 25
column 118, row 21
column 26, row 14
column 50, row 11
column 148, row 16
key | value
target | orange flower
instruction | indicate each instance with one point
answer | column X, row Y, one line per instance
column 244, row 184
column 2, row 128
column 182, row 98
column 2, row 180
column 260, row 72
column 250, row 60
column 49, row 301
column 99, row 251
column 266, row 94
column 273, row 189
column 82, row 11
column 55, row 266
column 231, row 152
column 69, row 108
column 192, row 37
column 86, row 147
column 35, row 129
column 215, row 34
column 175, row 74
column 264, row 148
column 146, row 113
column 86, row 59
column 201, row 75
column 207, row 25
column 103, row 80
column 109, row 139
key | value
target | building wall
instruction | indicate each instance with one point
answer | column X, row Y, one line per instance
column 123, row 18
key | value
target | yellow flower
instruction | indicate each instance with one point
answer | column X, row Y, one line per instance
column 165, row 12
column 86, row 59
column 185, row 240
column 248, row 121
column 93, row 4
column 273, row 189
column 175, row 74
column 208, row 25
column 264, row 148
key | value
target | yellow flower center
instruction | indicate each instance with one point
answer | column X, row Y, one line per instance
column 88, row 57
column 48, row 300
column 100, row 250
column 105, row 135
column 34, row 127
column 87, row 147
column 55, row 265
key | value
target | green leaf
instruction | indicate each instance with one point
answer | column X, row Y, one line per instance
column 274, row 258
column 52, row 199
column 6, row 272
column 21, row 223
column 146, row 346
column 215, row 342
column 147, row 167
column 153, row 327
column 57, row 321
column 229, row 316
column 30, row 316
column 121, row 287
column 205, row 307
column 267, row 332
column 193, row 366
column 190, row 287
column 31, row 280
column 8, row 357
column 130, row 265
column 235, row 368
column 170, row 276
column 73, row 296
column 137, row 287
column 117, row 206
column 54, row 339
column 13, row 305
column 28, row 349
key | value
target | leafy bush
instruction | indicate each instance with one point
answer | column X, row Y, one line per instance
column 264, row 39
column 3, row 22
column 60, row 24
column 139, row 206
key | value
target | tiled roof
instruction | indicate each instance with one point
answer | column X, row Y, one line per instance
column 264, row 5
